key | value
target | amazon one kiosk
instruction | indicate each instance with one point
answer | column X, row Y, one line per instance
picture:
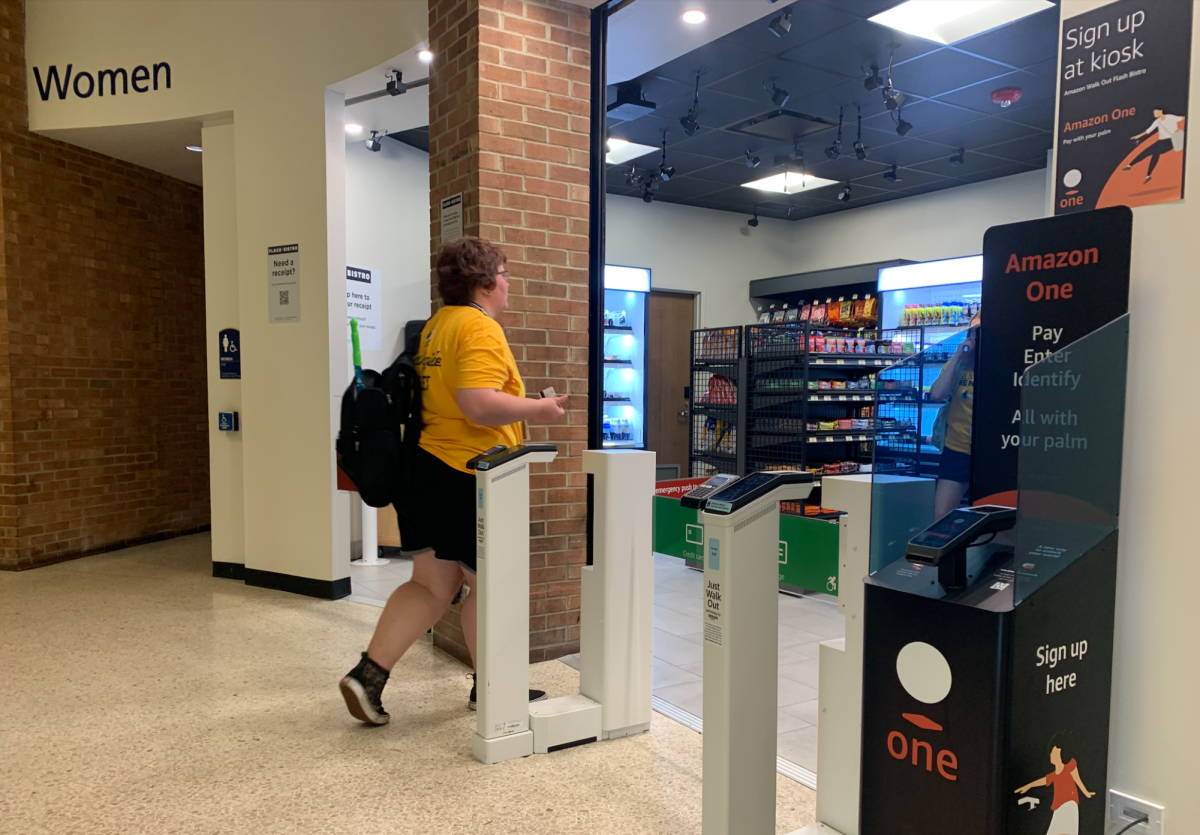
column 616, row 629
column 741, row 646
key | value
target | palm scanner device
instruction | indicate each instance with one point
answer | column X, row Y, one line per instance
column 617, row 620
column 741, row 648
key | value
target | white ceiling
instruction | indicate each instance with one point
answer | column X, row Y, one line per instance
column 648, row 33
column 159, row 146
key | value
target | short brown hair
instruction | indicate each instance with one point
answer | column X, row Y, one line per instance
column 466, row 264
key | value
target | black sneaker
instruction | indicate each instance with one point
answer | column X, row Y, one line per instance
column 534, row 695
column 362, row 688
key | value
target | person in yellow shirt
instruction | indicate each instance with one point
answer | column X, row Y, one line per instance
column 472, row 400
column 956, row 386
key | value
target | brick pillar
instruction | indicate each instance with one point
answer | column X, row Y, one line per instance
column 509, row 103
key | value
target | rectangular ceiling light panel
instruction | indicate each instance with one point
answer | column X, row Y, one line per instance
column 950, row 21
column 790, row 182
column 620, row 151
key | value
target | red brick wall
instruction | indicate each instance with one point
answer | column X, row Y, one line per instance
column 509, row 127
column 103, row 391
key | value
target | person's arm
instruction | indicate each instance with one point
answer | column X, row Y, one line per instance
column 943, row 387
column 1153, row 127
column 1079, row 782
column 1039, row 782
column 491, row 407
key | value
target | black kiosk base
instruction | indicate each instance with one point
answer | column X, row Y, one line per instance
column 968, row 699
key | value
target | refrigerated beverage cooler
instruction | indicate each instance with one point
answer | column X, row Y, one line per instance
column 625, row 292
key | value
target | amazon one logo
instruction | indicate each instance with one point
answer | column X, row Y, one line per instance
column 925, row 675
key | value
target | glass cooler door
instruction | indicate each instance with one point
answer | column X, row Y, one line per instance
column 625, row 291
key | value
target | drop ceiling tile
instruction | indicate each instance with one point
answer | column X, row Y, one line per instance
column 1026, row 149
column 724, row 145
column 973, row 163
column 687, row 187
column 907, row 178
column 715, row 60
column 940, row 184
column 809, row 22
column 925, row 117
column 1037, row 115
column 980, row 133
column 655, row 89
column 942, row 71
column 735, row 198
column 685, row 164
column 732, row 173
column 849, row 95
column 845, row 169
column 648, row 131
column 851, row 50
column 862, row 8
column 1034, row 88
column 1023, row 43
column 717, row 110
column 909, row 152
column 1006, row 170
column 798, row 81
column 1046, row 68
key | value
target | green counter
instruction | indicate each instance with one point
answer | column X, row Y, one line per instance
column 808, row 548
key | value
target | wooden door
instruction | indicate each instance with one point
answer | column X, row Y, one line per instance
column 670, row 318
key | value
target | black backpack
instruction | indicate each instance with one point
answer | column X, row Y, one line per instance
column 381, row 425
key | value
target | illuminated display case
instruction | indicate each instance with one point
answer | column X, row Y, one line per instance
column 625, row 291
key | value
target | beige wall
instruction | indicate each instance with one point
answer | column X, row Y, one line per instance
column 268, row 64
column 716, row 254
column 1156, row 727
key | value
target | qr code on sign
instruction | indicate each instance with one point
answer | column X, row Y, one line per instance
column 283, row 296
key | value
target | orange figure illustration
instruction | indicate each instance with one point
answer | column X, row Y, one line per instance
column 1067, row 784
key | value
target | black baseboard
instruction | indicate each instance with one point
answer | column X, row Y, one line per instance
column 229, row 570
column 324, row 589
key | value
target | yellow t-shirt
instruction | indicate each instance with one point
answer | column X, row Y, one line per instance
column 958, row 414
column 461, row 348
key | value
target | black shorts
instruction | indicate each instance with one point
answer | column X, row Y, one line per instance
column 954, row 466
column 437, row 510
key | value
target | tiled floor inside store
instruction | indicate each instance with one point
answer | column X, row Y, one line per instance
column 678, row 645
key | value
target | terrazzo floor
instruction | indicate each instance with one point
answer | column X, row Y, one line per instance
column 679, row 645
column 141, row 695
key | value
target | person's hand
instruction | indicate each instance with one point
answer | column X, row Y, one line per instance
column 1088, row 794
column 1022, row 790
column 551, row 409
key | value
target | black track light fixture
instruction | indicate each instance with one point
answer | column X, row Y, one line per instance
column 647, row 194
column 873, row 82
column 779, row 96
column 753, row 222
column 903, row 127
column 782, row 24
column 834, row 151
column 959, row 157
column 375, row 141
column 844, row 195
column 395, row 83
column 634, row 179
column 665, row 172
column 891, row 176
column 892, row 98
column 690, row 122
column 752, row 161
column 861, row 151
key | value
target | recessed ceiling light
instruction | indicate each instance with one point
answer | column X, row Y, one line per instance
column 353, row 129
column 620, row 151
column 790, row 182
column 425, row 56
column 949, row 22
column 195, row 148
column 694, row 16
